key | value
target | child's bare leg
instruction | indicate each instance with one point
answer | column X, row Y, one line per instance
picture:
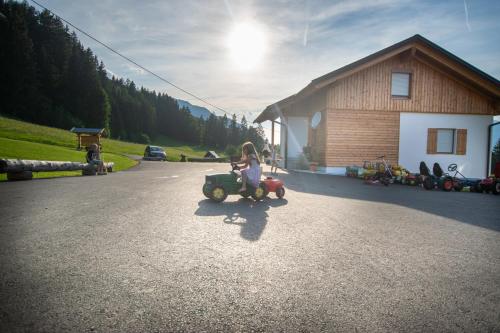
column 243, row 182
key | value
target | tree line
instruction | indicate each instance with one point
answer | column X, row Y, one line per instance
column 50, row 78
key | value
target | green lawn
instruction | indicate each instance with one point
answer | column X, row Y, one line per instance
column 39, row 151
column 24, row 140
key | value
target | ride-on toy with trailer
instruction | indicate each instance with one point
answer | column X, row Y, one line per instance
column 217, row 187
column 383, row 175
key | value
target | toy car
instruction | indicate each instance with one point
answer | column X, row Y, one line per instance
column 490, row 184
column 275, row 185
column 217, row 187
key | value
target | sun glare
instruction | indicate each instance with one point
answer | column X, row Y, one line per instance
column 247, row 45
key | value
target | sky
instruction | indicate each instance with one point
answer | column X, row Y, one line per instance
column 245, row 55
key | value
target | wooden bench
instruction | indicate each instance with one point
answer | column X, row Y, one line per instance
column 23, row 169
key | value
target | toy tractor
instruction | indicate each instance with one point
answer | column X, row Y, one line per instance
column 217, row 187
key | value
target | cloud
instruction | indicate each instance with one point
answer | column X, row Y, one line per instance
column 185, row 41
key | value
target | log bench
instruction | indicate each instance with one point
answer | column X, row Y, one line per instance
column 23, row 169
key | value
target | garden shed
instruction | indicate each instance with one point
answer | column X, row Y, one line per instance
column 87, row 136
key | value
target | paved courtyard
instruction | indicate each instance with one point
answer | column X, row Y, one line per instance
column 144, row 251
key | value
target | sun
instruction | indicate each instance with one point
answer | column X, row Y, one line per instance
column 247, row 45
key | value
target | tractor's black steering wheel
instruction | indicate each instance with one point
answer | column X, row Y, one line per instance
column 452, row 167
column 235, row 166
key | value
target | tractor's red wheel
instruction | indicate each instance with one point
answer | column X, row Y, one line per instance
column 280, row 192
column 447, row 185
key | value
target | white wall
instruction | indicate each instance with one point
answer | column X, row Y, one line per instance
column 413, row 142
column 297, row 135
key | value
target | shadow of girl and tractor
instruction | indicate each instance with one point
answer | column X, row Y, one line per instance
column 250, row 215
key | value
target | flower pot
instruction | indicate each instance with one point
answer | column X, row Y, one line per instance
column 313, row 166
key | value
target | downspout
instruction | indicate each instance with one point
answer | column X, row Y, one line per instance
column 488, row 163
column 286, row 143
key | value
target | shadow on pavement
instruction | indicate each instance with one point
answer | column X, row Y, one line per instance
column 477, row 209
column 250, row 215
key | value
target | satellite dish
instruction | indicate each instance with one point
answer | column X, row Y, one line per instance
column 315, row 120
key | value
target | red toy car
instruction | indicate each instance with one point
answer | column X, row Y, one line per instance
column 275, row 185
column 490, row 184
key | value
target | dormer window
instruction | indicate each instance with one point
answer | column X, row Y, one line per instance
column 400, row 85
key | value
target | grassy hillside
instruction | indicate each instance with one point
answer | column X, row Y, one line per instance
column 24, row 140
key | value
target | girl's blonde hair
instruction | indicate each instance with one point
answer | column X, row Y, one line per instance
column 249, row 148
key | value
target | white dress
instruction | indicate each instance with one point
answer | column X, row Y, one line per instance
column 252, row 171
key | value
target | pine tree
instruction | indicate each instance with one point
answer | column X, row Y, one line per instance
column 495, row 155
column 244, row 129
column 234, row 131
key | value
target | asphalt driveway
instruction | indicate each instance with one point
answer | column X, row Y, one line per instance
column 144, row 251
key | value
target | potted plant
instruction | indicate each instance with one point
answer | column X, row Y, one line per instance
column 312, row 156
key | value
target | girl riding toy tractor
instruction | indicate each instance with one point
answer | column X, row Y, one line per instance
column 217, row 187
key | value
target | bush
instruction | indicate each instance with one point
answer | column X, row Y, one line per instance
column 143, row 138
column 302, row 163
column 231, row 150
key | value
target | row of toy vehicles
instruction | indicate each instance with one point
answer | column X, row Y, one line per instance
column 382, row 173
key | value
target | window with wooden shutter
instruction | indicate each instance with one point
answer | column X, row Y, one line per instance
column 445, row 141
column 431, row 140
column 461, row 141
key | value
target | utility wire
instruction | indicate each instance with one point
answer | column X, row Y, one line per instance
column 130, row 60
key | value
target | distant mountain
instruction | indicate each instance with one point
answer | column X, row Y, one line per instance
column 196, row 111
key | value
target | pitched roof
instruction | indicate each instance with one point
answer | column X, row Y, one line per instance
column 81, row 130
column 271, row 112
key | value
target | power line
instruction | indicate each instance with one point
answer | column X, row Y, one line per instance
column 130, row 60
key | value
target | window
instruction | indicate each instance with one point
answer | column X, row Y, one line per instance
column 400, row 86
column 445, row 141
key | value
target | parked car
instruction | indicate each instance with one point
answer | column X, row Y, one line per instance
column 155, row 153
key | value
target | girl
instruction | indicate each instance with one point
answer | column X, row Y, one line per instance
column 251, row 163
column 94, row 157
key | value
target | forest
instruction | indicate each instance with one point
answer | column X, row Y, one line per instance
column 50, row 78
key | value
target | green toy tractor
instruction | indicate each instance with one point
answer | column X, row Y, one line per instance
column 217, row 187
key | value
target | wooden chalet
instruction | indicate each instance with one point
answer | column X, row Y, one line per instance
column 412, row 102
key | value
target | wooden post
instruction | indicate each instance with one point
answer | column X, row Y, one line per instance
column 272, row 134
column 79, row 141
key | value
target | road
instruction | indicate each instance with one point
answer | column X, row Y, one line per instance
column 144, row 251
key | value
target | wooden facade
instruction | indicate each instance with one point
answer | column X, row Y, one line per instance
column 430, row 91
column 353, row 137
